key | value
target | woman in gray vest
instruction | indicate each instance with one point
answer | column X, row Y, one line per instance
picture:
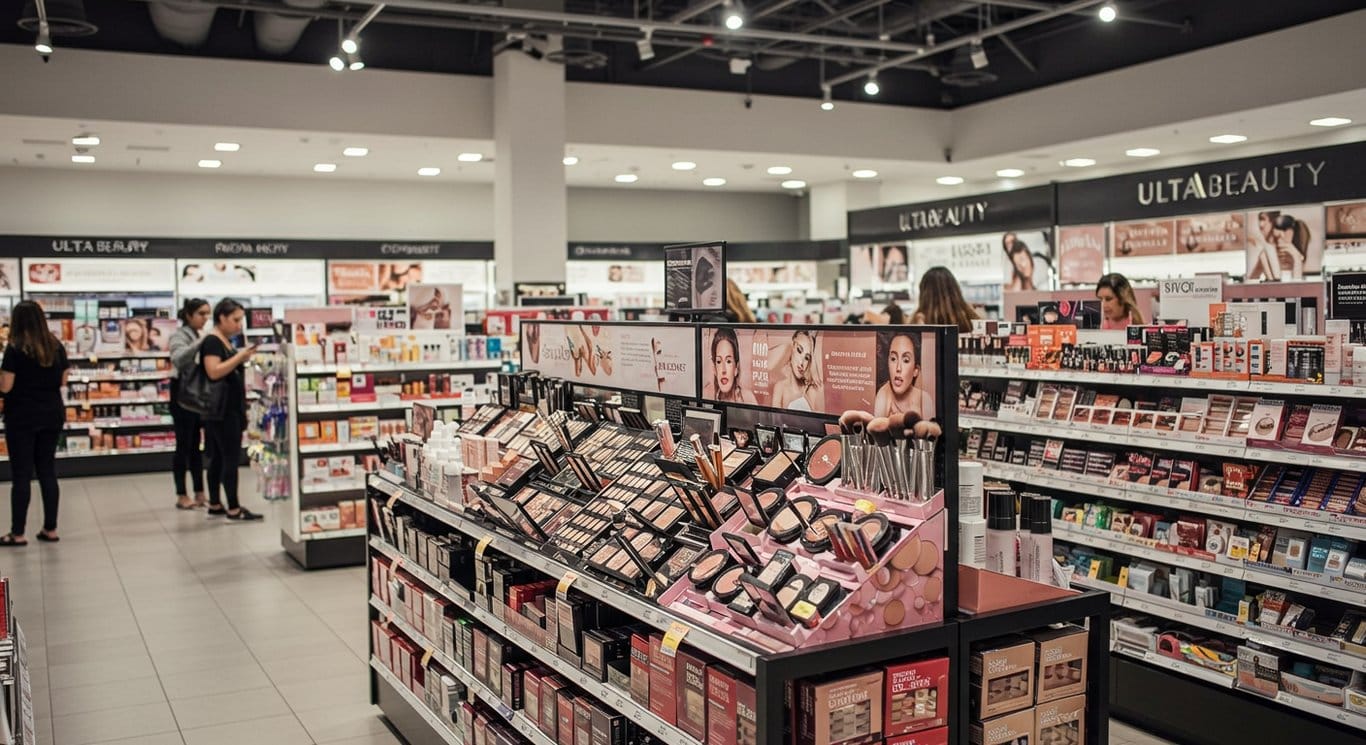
column 184, row 347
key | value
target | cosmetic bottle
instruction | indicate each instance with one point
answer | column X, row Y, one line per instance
column 1000, row 538
column 972, row 526
column 1024, row 542
column 1040, row 559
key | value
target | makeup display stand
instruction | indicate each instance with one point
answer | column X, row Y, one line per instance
column 1211, row 474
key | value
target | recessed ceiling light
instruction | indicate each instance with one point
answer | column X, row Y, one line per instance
column 82, row 159
column 209, row 163
column 713, row 182
column 949, row 180
column 794, row 183
column 571, row 160
column 1079, row 162
column 779, row 170
column 324, row 167
column 85, row 141
column 1142, row 152
column 864, row 173
column 1330, row 121
column 226, row 147
column 469, row 157
column 626, row 178
column 1010, row 173
column 429, row 171
column 1227, row 139
column 684, row 165
column 356, row 152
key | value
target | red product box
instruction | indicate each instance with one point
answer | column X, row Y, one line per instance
column 564, row 708
column 691, row 703
column 640, row 669
column 550, row 694
column 663, row 698
column 721, row 711
column 917, row 696
column 938, row 736
column 531, row 695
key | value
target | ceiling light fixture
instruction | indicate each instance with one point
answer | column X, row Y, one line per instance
column 795, row 183
column 871, row 87
column 626, row 178
column 348, row 57
column 864, row 173
column 85, row 141
column 429, row 171
column 354, row 62
column 1142, row 152
column 209, row 163
column 356, row 152
column 82, row 159
column 469, row 157
column 733, row 14
column 324, row 167
column 684, row 165
column 978, row 54
column 1108, row 13
column 571, row 160
column 1079, row 162
column 713, row 182
column 827, row 104
column 337, row 63
column 1330, row 121
column 779, row 170
column 1227, row 139
column 645, row 47
column 949, row 180
column 226, row 147
column 1009, row 173
column 43, row 44
column 350, row 45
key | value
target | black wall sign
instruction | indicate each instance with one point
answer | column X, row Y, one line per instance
column 42, row 246
column 1302, row 176
column 1347, row 296
column 983, row 213
column 751, row 251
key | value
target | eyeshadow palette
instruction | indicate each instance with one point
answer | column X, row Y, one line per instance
column 609, row 556
column 585, row 527
column 482, row 419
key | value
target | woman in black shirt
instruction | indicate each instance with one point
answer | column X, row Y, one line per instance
column 31, row 377
column 224, row 364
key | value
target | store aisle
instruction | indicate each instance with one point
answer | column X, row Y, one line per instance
column 154, row 626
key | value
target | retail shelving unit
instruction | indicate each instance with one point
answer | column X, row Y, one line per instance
column 1159, row 691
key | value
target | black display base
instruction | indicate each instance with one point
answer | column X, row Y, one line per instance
column 325, row 554
column 1192, row 712
column 406, row 721
column 107, row 465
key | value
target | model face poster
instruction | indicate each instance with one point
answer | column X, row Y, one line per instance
column 435, row 307
column 827, row 372
column 636, row 356
column 1225, row 231
column 1145, row 238
column 694, row 278
column 1285, row 243
column 1029, row 258
column 1081, row 253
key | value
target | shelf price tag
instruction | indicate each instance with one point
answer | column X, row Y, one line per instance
column 1094, row 571
column 562, row 589
column 344, row 372
column 393, row 498
column 672, row 638
column 426, row 657
column 482, row 546
column 1123, row 577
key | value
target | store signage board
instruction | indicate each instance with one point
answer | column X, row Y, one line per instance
column 983, row 213
column 435, row 306
column 9, row 277
column 654, row 358
column 246, row 278
column 1315, row 175
column 1188, row 299
column 618, row 251
column 1081, row 254
column 239, row 248
column 1347, row 296
column 695, row 278
column 98, row 275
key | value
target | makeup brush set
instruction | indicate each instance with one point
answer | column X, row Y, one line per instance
column 894, row 454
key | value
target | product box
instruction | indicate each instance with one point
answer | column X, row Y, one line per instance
column 551, row 685
column 917, row 696
column 640, row 669
column 938, row 736
column 692, row 695
column 1061, row 662
column 1061, row 722
column 1008, row 729
column 1323, row 424
column 1268, row 416
column 721, row 706
column 1259, row 671
column 843, row 710
column 1002, row 676
column 662, row 695
column 609, row 727
column 564, row 713
column 583, row 721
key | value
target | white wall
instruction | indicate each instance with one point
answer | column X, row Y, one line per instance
column 56, row 201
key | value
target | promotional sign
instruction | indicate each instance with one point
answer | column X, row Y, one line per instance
column 1081, row 254
column 695, row 278
column 369, row 281
column 615, row 279
column 1285, row 243
column 1154, row 238
column 826, row 372
column 1189, row 299
column 1346, row 220
column 984, row 213
column 1021, row 260
column 433, row 306
column 225, row 249
column 640, row 357
column 1224, row 231
column 538, row 289
column 98, row 275
column 1347, row 296
column 9, row 277
column 884, row 266
column 758, row 276
column 276, row 278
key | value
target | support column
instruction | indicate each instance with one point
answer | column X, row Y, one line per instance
column 530, row 220
column 829, row 205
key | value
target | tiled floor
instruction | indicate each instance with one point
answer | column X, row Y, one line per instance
column 155, row 626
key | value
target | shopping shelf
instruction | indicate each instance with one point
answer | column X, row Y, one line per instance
column 1213, row 385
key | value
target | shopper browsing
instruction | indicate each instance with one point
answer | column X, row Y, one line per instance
column 737, row 305
column 941, row 301
column 223, row 364
column 32, row 375
column 184, row 346
column 1118, row 304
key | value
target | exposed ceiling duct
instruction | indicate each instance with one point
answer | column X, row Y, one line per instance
column 184, row 23
column 277, row 34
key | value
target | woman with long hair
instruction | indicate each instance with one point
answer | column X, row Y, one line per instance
column 902, row 394
column 31, row 377
column 135, row 336
column 798, row 385
column 223, row 363
column 1021, row 264
column 1291, row 238
column 726, row 370
column 737, row 305
column 1118, row 304
column 941, row 301
column 194, row 316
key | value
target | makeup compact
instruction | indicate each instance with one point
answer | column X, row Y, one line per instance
column 738, row 464
column 726, row 586
column 778, row 472
column 760, row 507
column 778, row 570
column 698, row 504
column 710, row 566
column 877, row 530
column 824, row 594
column 683, row 559
column 816, row 537
column 793, row 590
column 741, row 548
column 765, row 599
column 792, row 519
column 767, row 439
column 823, row 461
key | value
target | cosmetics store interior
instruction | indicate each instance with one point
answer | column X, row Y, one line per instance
column 607, row 384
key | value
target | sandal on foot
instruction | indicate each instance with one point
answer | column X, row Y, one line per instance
column 9, row 540
column 217, row 510
column 245, row 514
column 184, row 505
column 48, row 537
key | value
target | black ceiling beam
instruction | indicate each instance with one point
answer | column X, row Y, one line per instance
column 1123, row 16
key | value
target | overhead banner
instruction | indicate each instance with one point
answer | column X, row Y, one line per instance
column 1020, row 260
column 1225, row 231
column 826, row 372
column 640, row 357
column 1081, row 254
column 277, row 278
column 1285, row 243
column 984, row 213
column 1148, row 238
column 99, row 275
column 357, row 281
column 35, row 246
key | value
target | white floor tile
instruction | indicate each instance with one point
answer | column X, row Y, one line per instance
column 281, row 730
column 225, row 708
column 118, row 694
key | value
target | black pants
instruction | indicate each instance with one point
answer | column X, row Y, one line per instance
column 225, row 452
column 32, row 450
column 187, row 456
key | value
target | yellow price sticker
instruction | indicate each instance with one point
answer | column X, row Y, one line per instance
column 1095, row 569
column 343, row 372
column 1124, row 577
column 392, row 500
column 562, row 589
column 426, row 657
column 672, row 638
column 482, row 546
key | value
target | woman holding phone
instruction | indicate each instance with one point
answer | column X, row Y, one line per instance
column 223, row 364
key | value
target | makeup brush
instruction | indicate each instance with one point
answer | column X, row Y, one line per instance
column 700, row 457
column 880, row 438
column 902, row 464
column 718, row 465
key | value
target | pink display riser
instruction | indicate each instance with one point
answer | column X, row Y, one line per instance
column 867, row 608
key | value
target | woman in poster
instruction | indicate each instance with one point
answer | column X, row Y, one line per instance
column 1262, row 260
column 398, row 276
column 900, row 392
column 895, row 268
column 1291, row 237
column 1021, row 264
column 725, row 368
column 798, row 384
column 135, row 338
column 431, row 309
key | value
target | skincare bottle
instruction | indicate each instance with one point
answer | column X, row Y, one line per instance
column 972, row 526
column 1000, row 538
column 1039, row 560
